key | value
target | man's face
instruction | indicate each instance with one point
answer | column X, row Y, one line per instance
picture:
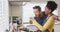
column 36, row 12
column 47, row 10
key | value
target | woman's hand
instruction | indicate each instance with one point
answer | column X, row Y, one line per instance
column 30, row 21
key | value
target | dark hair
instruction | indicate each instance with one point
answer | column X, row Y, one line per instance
column 37, row 7
column 51, row 5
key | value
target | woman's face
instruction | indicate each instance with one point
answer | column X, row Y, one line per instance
column 47, row 10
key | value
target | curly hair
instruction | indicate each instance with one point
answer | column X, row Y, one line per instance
column 51, row 5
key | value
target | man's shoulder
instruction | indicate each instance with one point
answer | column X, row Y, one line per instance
column 44, row 13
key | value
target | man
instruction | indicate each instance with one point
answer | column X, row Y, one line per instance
column 39, row 16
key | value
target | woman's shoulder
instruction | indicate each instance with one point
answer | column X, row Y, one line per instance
column 54, row 17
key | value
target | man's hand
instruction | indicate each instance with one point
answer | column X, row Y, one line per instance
column 56, row 17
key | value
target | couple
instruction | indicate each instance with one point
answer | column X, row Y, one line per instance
column 45, row 21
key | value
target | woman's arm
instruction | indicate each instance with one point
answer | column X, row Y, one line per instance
column 49, row 23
